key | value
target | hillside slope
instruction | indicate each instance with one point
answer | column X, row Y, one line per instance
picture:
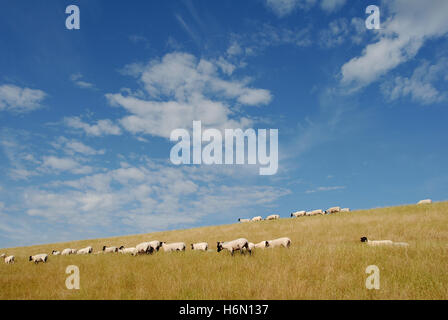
column 326, row 261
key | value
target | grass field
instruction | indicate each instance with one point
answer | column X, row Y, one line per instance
column 326, row 261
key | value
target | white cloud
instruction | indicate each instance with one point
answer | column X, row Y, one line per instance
column 71, row 147
column 145, row 198
column 249, row 44
column 64, row 164
column 411, row 24
column 341, row 30
column 182, row 89
column 20, row 100
column 101, row 128
column 320, row 189
column 420, row 86
column 285, row 7
column 76, row 79
column 17, row 151
column 331, row 5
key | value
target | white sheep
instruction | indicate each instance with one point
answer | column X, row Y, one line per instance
column 376, row 242
column 262, row 244
column 243, row 220
column 176, row 246
column 234, row 245
column 144, row 247
column 280, row 242
column 8, row 259
column 273, row 217
column 155, row 244
column 86, row 250
column 333, row 210
column 43, row 257
column 109, row 249
column 257, row 218
column 425, row 201
column 345, row 210
column 298, row 214
column 132, row 251
column 401, row 244
column 314, row 212
column 199, row 246
column 383, row 242
column 55, row 253
column 68, row 251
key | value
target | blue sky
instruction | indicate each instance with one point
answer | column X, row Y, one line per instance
column 86, row 115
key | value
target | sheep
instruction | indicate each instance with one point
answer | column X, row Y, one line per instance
column 176, row 246
column 68, row 251
column 376, row 242
column 199, row 246
column 43, row 257
column 55, row 253
column 298, row 214
column 155, row 244
column 8, row 259
column 425, row 201
column 401, row 244
column 250, row 247
column 132, row 251
column 345, row 210
column 109, row 249
column 145, row 247
column 234, row 245
column 85, row 250
column 333, row 210
column 243, row 220
column 3, row 255
column 273, row 217
column 257, row 218
column 314, row 212
column 280, row 242
column 262, row 244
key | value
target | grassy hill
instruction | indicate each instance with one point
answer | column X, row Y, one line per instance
column 326, row 261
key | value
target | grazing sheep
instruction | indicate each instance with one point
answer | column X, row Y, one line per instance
column 155, row 244
column 315, row 212
column 109, row 249
column 333, row 210
column 280, row 242
column 176, row 246
column 376, row 242
column 145, row 247
column 234, row 245
column 298, row 214
column 243, row 220
column 401, row 244
column 250, row 247
column 273, row 217
column 68, row 251
column 345, row 210
column 257, row 218
column 55, row 253
column 199, row 246
column 425, row 201
column 132, row 251
column 43, row 257
column 86, row 250
column 3, row 255
column 8, row 259
column 262, row 244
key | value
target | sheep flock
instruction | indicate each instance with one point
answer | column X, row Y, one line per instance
column 242, row 245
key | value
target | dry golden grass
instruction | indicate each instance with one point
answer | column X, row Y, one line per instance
column 326, row 261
